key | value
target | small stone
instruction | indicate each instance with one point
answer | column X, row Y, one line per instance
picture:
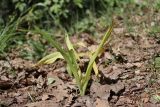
column 137, row 72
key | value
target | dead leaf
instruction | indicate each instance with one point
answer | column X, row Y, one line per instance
column 45, row 97
column 98, row 90
column 124, row 101
column 48, row 103
column 111, row 72
column 5, row 84
column 119, row 30
column 40, row 82
column 145, row 97
column 101, row 103
column 118, row 87
column 4, row 78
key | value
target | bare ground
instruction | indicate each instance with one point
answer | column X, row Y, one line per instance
column 127, row 75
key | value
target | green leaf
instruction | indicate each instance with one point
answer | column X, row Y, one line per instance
column 52, row 41
column 50, row 58
column 74, row 68
column 70, row 46
column 68, row 42
column 95, row 68
column 157, row 62
column 50, row 81
column 93, row 57
column 78, row 3
column 68, row 55
column 71, row 57
column 157, row 98
column 7, row 33
column 69, row 70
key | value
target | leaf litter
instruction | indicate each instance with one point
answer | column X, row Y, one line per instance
column 125, row 75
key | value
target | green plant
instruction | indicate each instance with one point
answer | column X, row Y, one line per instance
column 6, row 34
column 44, row 10
column 35, row 50
column 154, row 30
column 71, row 57
column 157, row 63
column 59, row 13
column 156, row 4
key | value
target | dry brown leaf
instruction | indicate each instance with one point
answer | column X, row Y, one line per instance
column 101, row 103
column 45, row 97
column 48, row 103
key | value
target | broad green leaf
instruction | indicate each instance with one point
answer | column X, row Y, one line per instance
column 70, row 46
column 71, row 57
column 50, row 58
column 78, row 3
column 68, row 55
column 68, row 42
column 65, row 53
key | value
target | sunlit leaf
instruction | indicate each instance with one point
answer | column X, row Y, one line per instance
column 68, row 42
column 93, row 57
column 95, row 68
column 50, row 58
column 71, row 57
column 70, row 46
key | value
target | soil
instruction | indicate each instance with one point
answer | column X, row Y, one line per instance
column 127, row 76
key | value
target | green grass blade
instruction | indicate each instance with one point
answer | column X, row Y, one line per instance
column 6, row 34
column 70, row 46
column 92, row 59
column 52, row 42
column 69, row 70
column 74, row 68
column 95, row 68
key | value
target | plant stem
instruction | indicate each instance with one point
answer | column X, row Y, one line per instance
column 92, row 59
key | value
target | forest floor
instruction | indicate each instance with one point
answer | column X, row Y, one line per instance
column 129, row 77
